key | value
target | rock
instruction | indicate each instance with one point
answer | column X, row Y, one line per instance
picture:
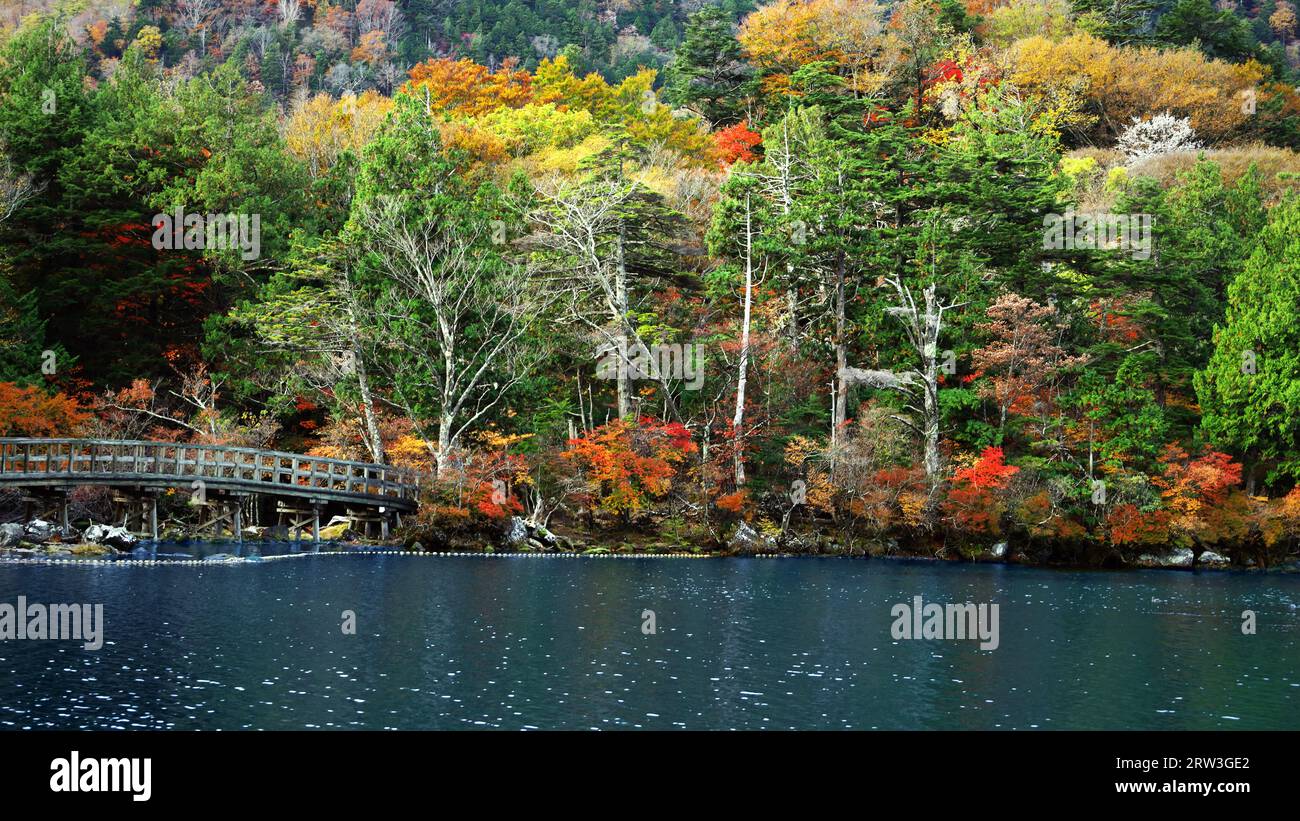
column 417, row 547
column 516, row 533
column 10, row 535
column 90, row 550
column 999, row 550
column 116, row 537
column 1210, row 557
column 38, row 530
column 336, row 530
column 61, row 533
column 546, row 537
column 535, row 545
column 1181, row 557
column 746, row 540
column 218, row 558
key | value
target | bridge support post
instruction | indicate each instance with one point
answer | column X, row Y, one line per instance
column 239, row 519
column 315, row 522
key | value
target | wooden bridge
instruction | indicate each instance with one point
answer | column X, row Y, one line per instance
column 221, row 480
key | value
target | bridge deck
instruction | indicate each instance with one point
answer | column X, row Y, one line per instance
column 63, row 463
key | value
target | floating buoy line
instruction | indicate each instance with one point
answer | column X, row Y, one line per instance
column 71, row 561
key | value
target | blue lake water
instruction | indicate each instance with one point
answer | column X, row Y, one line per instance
column 518, row 642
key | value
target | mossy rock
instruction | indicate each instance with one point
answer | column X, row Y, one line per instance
column 91, row 550
column 334, row 533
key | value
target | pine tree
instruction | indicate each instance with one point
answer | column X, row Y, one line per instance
column 708, row 73
column 1250, row 390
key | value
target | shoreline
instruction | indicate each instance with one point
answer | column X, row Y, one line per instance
column 36, row 556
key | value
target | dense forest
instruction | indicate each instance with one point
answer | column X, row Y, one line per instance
column 920, row 276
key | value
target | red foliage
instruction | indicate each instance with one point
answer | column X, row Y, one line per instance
column 974, row 503
column 989, row 471
column 735, row 143
column 1128, row 525
column 625, row 465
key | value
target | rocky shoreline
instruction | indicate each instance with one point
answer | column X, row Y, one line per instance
column 40, row 539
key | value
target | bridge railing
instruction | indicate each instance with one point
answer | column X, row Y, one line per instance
column 170, row 461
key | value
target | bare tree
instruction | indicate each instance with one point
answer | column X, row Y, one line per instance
column 589, row 226
column 193, row 17
column 456, row 321
column 288, row 11
column 16, row 188
column 922, row 321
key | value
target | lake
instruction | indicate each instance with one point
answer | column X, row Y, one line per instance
column 538, row 642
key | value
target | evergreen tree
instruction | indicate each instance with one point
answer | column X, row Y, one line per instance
column 707, row 72
column 1250, row 390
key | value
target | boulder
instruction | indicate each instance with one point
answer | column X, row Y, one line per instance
column 11, row 535
column 1212, row 558
column 999, row 550
column 1181, row 557
column 116, row 537
column 516, row 533
column 336, row 529
column 746, row 540
column 38, row 530
column 61, row 533
column 546, row 537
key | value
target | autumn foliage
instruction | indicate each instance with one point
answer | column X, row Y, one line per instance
column 30, row 411
column 623, row 467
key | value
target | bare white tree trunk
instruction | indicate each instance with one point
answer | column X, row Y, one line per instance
column 922, row 323
column 742, row 368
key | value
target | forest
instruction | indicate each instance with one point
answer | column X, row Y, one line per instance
column 820, row 276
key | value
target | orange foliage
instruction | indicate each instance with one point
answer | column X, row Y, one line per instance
column 626, row 465
column 30, row 411
column 974, row 503
column 1128, row 525
column 467, row 89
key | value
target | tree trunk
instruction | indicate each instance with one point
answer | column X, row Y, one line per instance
column 841, row 353
column 374, row 442
column 621, row 304
column 930, row 377
column 737, row 421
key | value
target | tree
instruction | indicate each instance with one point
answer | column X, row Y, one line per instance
column 1161, row 134
column 1220, row 34
column 1250, row 390
column 707, row 73
column 451, row 308
column 604, row 240
column 29, row 411
column 1023, row 356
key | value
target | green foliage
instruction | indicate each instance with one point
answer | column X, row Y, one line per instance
column 1250, row 389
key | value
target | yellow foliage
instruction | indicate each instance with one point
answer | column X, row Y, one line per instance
column 1123, row 83
column 322, row 128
